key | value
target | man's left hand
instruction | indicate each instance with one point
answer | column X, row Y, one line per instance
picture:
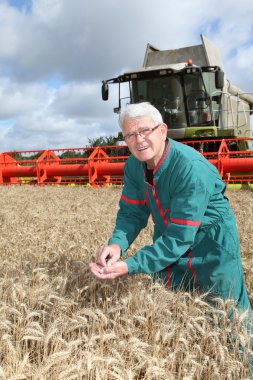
column 115, row 270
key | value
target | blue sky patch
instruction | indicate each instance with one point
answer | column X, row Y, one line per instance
column 55, row 82
column 233, row 53
column 211, row 28
column 21, row 5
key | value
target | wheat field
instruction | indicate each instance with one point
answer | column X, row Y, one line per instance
column 58, row 322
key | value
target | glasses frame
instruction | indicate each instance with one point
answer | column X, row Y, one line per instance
column 139, row 133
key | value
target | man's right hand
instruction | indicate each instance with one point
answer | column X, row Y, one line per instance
column 108, row 255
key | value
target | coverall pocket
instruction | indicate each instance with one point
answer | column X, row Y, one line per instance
column 221, row 270
column 224, row 237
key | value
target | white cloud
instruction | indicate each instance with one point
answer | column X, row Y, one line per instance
column 16, row 99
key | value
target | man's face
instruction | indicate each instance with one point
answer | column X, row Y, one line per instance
column 149, row 146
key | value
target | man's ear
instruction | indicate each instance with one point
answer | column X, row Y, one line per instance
column 164, row 129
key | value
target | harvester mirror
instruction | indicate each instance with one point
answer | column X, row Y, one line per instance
column 219, row 79
column 105, row 91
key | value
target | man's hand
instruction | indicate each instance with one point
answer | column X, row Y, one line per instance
column 115, row 270
column 108, row 255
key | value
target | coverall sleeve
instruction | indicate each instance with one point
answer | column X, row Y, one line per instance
column 133, row 212
column 189, row 199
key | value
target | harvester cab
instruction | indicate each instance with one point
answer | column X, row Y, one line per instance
column 189, row 87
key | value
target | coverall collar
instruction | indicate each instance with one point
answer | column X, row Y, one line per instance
column 160, row 166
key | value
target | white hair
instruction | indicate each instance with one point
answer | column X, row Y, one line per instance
column 138, row 111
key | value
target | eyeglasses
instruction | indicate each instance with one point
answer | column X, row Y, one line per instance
column 143, row 132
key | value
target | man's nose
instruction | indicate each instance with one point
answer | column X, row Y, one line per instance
column 138, row 137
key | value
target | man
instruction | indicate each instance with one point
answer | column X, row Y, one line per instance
column 195, row 241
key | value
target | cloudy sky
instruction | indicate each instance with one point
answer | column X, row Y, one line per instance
column 55, row 53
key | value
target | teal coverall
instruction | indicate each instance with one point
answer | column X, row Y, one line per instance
column 195, row 241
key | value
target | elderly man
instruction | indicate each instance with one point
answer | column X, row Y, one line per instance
column 195, row 241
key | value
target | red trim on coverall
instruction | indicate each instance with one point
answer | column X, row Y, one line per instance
column 168, row 274
column 191, row 267
column 159, row 206
column 163, row 158
column 185, row 222
column 133, row 201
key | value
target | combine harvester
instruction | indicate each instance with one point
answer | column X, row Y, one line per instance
column 197, row 102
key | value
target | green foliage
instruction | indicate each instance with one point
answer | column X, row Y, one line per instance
column 24, row 157
column 71, row 154
column 105, row 140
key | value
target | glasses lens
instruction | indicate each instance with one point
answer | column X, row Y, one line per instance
column 144, row 131
column 129, row 136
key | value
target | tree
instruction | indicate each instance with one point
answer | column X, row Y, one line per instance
column 104, row 141
column 110, row 141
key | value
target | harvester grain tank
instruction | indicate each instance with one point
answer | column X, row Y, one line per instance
column 190, row 89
